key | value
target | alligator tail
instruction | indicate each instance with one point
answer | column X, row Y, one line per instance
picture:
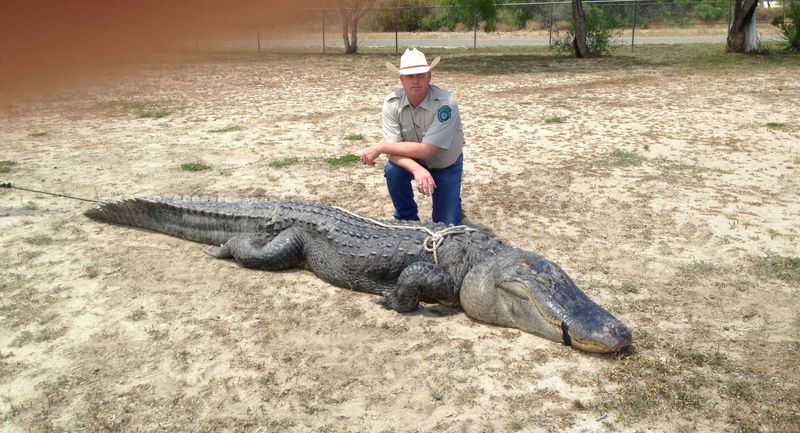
column 198, row 220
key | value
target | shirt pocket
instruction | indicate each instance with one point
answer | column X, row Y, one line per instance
column 408, row 133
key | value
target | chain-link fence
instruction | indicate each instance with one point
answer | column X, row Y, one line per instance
column 409, row 23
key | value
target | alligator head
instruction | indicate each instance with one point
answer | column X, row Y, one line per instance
column 522, row 290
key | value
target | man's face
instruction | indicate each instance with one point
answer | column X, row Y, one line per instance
column 416, row 86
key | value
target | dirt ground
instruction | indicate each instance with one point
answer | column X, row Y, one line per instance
column 669, row 192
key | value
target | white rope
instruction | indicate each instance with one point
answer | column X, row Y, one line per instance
column 431, row 243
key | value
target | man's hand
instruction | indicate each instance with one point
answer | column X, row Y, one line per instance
column 370, row 154
column 424, row 181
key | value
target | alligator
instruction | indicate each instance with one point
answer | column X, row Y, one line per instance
column 405, row 263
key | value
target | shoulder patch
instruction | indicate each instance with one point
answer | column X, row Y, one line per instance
column 444, row 113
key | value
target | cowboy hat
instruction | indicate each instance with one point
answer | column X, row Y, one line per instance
column 412, row 62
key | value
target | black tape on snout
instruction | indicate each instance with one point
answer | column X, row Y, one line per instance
column 565, row 334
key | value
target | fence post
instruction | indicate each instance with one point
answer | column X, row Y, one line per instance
column 396, row 26
column 475, row 34
column 258, row 37
column 633, row 28
column 323, row 31
column 550, row 37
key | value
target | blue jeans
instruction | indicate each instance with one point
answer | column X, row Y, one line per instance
column 446, row 196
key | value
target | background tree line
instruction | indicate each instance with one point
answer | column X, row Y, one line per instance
column 588, row 29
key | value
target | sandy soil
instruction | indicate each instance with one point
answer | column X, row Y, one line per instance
column 104, row 328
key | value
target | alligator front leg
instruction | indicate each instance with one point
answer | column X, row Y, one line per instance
column 417, row 280
column 285, row 251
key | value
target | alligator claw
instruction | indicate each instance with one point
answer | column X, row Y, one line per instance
column 220, row 252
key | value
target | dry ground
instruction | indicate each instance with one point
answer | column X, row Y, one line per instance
column 668, row 186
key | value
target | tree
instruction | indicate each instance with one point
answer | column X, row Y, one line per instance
column 579, row 43
column 352, row 11
column 468, row 10
column 742, row 37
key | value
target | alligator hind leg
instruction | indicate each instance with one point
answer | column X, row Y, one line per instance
column 282, row 252
column 420, row 279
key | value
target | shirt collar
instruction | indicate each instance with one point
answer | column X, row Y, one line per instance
column 426, row 103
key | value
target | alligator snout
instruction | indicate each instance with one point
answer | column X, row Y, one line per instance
column 595, row 330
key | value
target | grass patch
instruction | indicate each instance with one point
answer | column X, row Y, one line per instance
column 624, row 158
column 784, row 268
column 39, row 240
column 194, row 166
column 555, row 119
column 282, row 162
column 5, row 166
column 796, row 160
column 147, row 110
column 231, row 128
column 355, row 137
column 341, row 161
column 37, row 134
column 776, row 125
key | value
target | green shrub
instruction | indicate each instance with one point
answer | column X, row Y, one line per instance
column 343, row 160
column 5, row 166
column 439, row 19
column 707, row 12
column 511, row 18
column 600, row 29
column 194, row 166
column 790, row 26
column 282, row 162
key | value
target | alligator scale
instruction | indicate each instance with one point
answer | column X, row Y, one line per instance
column 492, row 281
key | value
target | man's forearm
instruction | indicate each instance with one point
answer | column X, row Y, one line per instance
column 409, row 149
column 409, row 164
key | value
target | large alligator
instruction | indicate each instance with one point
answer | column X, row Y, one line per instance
column 405, row 263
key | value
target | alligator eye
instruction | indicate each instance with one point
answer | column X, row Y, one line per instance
column 515, row 288
column 544, row 280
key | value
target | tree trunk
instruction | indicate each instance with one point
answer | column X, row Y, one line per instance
column 352, row 11
column 345, row 35
column 742, row 37
column 579, row 43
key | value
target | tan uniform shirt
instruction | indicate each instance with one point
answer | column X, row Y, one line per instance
column 435, row 121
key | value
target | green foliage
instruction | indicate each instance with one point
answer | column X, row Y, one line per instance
column 37, row 134
column 623, row 158
column 5, row 166
column 194, row 166
column 468, row 10
column 282, row 162
column 511, row 17
column 776, row 125
column 407, row 18
column 555, row 119
column 148, row 110
column 343, row 160
column 439, row 19
column 354, row 137
column 600, row 29
column 780, row 267
column 709, row 12
column 790, row 26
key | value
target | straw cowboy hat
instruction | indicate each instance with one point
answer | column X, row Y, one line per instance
column 412, row 62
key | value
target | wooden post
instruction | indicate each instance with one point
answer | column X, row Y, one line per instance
column 475, row 34
column 258, row 37
column 633, row 28
column 550, row 37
